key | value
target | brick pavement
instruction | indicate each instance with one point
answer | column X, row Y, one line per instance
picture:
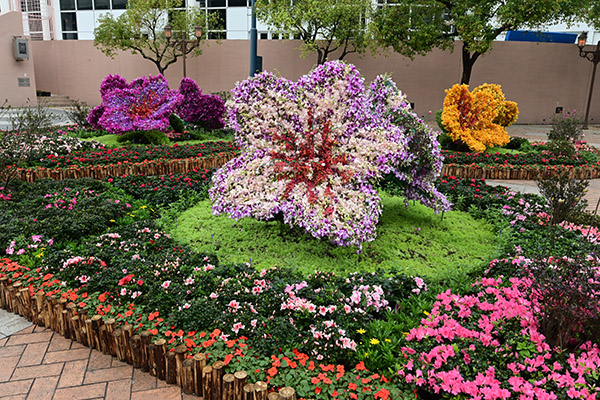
column 37, row 363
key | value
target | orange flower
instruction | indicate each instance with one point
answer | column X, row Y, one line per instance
column 228, row 359
column 361, row 366
column 272, row 371
column 383, row 394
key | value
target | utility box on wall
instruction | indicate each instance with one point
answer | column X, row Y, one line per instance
column 21, row 49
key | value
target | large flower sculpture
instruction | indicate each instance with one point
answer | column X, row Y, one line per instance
column 312, row 151
column 478, row 118
column 142, row 105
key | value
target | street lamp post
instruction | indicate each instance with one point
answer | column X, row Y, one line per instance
column 593, row 56
column 183, row 42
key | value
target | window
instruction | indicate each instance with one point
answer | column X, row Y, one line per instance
column 67, row 4
column 238, row 3
column 215, row 3
column 69, row 35
column 84, row 4
column 69, row 21
column 264, row 35
column 102, row 4
column 119, row 4
column 221, row 15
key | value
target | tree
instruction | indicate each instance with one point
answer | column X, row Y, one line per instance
column 141, row 30
column 325, row 26
column 412, row 27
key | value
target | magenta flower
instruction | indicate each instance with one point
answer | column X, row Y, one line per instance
column 145, row 104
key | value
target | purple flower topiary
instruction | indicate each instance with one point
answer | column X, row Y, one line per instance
column 206, row 110
column 95, row 115
column 144, row 105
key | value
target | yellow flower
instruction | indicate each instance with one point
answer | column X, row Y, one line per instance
column 374, row 341
column 366, row 355
column 142, row 207
column 388, row 340
column 426, row 313
column 361, row 331
column 112, row 220
column 474, row 117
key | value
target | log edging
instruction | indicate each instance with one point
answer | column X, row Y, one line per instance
column 519, row 172
column 147, row 167
column 190, row 372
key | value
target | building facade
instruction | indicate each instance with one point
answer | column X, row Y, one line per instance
column 76, row 19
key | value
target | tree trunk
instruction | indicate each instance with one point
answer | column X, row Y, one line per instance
column 468, row 61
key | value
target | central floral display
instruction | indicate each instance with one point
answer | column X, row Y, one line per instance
column 313, row 151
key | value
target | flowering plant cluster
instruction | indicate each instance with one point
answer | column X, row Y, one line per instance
column 508, row 112
column 487, row 345
column 25, row 149
column 164, row 190
column 134, row 154
column 583, row 157
column 312, row 151
column 206, row 110
column 469, row 116
column 144, row 104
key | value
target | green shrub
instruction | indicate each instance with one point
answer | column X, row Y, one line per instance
column 516, row 143
column 78, row 113
column 144, row 137
column 176, row 123
column 566, row 127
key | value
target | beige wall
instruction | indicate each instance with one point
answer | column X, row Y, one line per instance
column 11, row 24
column 538, row 76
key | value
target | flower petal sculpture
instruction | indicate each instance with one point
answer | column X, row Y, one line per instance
column 478, row 118
column 144, row 104
column 203, row 109
column 312, row 151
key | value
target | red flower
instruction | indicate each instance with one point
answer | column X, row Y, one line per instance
column 383, row 394
column 228, row 359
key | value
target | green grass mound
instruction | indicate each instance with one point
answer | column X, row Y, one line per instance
column 413, row 240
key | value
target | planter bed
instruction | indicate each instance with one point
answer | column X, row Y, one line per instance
column 142, row 335
column 125, row 168
column 520, row 172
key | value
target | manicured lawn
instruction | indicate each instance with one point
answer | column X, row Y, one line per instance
column 412, row 240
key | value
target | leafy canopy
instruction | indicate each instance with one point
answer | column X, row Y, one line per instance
column 141, row 30
column 325, row 26
column 416, row 27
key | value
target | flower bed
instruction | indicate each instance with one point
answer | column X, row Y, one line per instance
column 524, row 166
column 134, row 274
column 126, row 168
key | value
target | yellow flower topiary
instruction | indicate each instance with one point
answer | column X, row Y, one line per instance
column 507, row 110
column 473, row 117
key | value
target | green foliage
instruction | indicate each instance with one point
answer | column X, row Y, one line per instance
column 78, row 114
column 564, row 195
column 412, row 240
column 412, row 29
column 324, row 26
column 145, row 137
column 141, row 30
column 516, row 143
column 176, row 123
column 567, row 127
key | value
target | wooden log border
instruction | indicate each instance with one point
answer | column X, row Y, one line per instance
column 149, row 167
column 519, row 172
column 165, row 167
column 190, row 372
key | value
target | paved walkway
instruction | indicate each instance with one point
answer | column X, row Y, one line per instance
column 38, row 364
column 540, row 133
